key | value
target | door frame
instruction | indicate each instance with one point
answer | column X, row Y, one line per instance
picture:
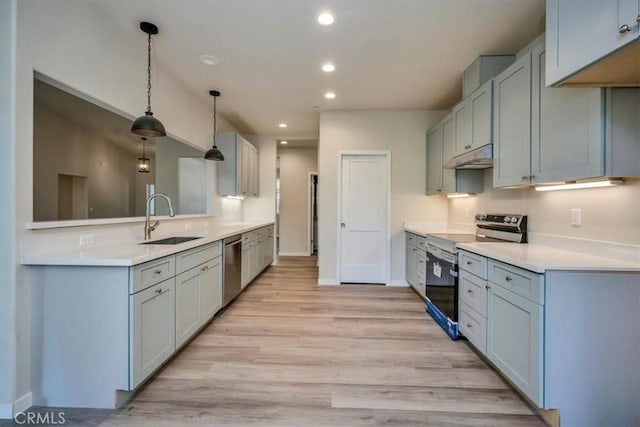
column 387, row 252
column 310, row 211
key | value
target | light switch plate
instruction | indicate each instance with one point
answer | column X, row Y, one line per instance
column 576, row 217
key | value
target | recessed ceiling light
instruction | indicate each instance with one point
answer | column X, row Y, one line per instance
column 326, row 18
column 328, row 67
column 330, row 95
column 284, row 142
column 209, row 59
column 282, row 125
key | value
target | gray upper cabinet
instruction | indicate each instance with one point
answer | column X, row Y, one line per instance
column 238, row 173
column 566, row 128
column 581, row 33
column 545, row 135
column 434, row 160
column 440, row 140
column 485, row 67
column 512, row 124
column 473, row 120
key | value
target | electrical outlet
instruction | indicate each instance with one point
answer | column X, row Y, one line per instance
column 86, row 239
column 576, row 217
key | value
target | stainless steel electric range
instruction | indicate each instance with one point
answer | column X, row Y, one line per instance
column 442, row 262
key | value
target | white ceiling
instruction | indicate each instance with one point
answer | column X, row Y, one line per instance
column 389, row 54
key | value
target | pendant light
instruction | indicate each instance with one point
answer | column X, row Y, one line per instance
column 144, row 164
column 148, row 125
column 213, row 153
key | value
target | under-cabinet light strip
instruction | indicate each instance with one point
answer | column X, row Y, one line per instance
column 579, row 185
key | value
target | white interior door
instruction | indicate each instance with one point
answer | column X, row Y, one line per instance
column 363, row 219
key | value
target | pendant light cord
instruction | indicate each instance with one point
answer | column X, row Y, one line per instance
column 149, row 74
column 214, row 120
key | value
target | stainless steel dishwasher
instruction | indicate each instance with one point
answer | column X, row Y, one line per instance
column 232, row 268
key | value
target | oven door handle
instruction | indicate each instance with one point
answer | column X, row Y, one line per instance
column 440, row 254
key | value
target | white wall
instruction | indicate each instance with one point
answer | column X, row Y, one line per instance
column 295, row 166
column 7, row 205
column 401, row 132
column 608, row 214
column 91, row 57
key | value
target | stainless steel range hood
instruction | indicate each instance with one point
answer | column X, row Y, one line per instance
column 480, row 158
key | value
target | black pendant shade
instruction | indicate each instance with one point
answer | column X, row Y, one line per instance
column 214, row 153
column 148, row 125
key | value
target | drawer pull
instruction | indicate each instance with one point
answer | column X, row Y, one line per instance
column 466, row 147
column 487, row 286
column 157, row 272
column 469, row 263
column 159, row 291
column 203, row 269
column 508, row 278
column 469, row 291
column 469, row 325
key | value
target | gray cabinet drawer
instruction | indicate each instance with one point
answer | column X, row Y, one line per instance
column 421, row 243
column 411, row 239
column 474, row 327
column 473, row 291
column 246, row 237
column 473, row 263
column 523, row 282
column 196, row 256
column 268, row 231
column 144, row 275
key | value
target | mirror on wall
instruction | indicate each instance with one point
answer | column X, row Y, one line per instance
column 85, row 163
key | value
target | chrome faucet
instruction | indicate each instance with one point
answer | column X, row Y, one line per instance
column 148, row 228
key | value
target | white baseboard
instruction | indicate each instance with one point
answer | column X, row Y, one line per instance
column 6, row 411
column 328, row 282
column 293, row 254
column 399, row 283
column 22, row 404
column 9, row 410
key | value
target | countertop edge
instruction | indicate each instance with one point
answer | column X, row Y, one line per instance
column 161, row 251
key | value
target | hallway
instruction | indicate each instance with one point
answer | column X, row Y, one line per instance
column 290, row 353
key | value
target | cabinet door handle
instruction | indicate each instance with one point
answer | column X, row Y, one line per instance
column 532, row 177
column 203, row 269
column 638, row 19
column 508, row 278
column 487, row 286
column 159, row 291
column 466, row 147
column 525, row 177
column 343, row 225
column 157, row 272
column 439, row 190
column 469, row 263
column 624, row 28
column 469, row 291
column 469, row 325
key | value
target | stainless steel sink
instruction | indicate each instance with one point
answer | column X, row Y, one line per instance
column 170, row 241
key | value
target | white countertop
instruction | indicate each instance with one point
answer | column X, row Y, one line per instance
column 435, row 229
column 540, row 258
column 128, row 253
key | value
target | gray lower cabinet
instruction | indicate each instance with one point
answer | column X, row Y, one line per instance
column 187, row 305
column 416, row 262
column 257, row 253
column 515, row 328
column 472, row 302
column 152, row 329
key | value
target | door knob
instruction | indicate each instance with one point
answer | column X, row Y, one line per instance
column 342, row 225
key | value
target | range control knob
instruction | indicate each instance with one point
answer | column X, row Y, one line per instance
column 480, row 217
column 514, row 219
column 507, row 219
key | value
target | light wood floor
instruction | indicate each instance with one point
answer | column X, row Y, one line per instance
column 290, row 353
